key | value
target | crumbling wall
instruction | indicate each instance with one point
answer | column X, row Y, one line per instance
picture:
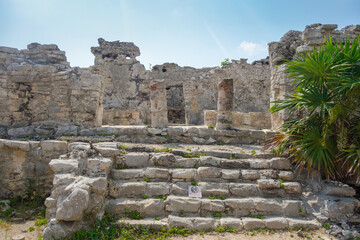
column 24, row 166
column 251, row 86
column 126, row 84
column 289, row 47
column 190, row 91
column 41, row 94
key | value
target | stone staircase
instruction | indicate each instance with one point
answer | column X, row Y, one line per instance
column 240, row 189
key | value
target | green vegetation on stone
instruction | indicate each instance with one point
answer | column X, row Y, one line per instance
column 326, row 95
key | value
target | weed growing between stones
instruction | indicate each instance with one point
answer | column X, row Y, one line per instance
column 213, row 197
column 146, row 179
column 217, row 215
column 194, row 183
column 326, row 225
column 29, row 206
column 120, row 167
column 193, row 156
column 133, row 215
column 211, row 127
column 162, row 150
column 162, row 197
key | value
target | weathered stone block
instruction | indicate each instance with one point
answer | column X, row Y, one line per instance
column 136, row 159
column 268, row 205
column 53, row 146
column 243, row 189
column 338, row 189
column 160, row 173
column 292, row 187
column 276, row 223
column 217, row 189
column 265, row 184
column 72, row 208
column 230, row 174
column 181, row 222
column 157, row 189
column 286, row 175
column 152, row 208
column 250, row 174
column 204, row 223
column 232, row 223
column 184, row 174
column 126, row 189
column 212, row 205
column 164, row 159
column 280, row 163
column 242, row 203
column 182, row 204
column 253, row 223
column 209, row 172
column 64, row 165
column 127, row 174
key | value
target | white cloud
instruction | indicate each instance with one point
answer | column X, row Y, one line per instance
column 252, row 51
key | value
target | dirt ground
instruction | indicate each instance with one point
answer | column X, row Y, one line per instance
column 7, row 231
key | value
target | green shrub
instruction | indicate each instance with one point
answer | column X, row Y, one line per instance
column 41, row 222
column 326, row 95
column 133, row 215
column 225, row 62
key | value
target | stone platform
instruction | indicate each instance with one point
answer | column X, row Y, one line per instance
column 173, row 134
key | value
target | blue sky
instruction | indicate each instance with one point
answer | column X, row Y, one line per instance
column 196, row 33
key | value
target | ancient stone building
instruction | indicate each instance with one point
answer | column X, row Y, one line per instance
column 156, row 132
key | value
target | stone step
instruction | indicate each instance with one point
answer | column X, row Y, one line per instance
column 262, row 187
column 228, row 151
column 196, row 207
column 169, row 160
column 208, row 174
column 246, row 223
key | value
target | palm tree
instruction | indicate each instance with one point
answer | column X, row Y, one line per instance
column 327, row 94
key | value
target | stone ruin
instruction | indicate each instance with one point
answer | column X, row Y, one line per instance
column 164, row 126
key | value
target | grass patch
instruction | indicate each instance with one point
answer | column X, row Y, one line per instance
column 162, row 150
column 133, row 215
column 211, row 127
column 188, row 155
column 326, row 225
column 41, row 222
column 194, row 183
column 146, row 179
column 4, row 224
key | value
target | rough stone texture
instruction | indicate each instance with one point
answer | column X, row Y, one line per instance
column 251, row 120
column 289, row 47
column 25, row 165
column 159, row 117
column 76, row 192
column 225, row 104
column 126, row 83
column 39, row 89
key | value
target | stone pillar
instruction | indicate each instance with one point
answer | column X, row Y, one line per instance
column 225, row 104
column 158, row 103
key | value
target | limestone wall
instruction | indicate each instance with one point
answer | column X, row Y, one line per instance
column 190, row 91
column 240, row 120
column 126, row 83
column 289, row 47
column 24, row 166
column 40, row 92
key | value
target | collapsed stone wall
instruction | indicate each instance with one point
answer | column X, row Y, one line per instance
column 190, row 91
column 126, row 85
column 24, row 166
column 290, row 46
column 41, row 94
